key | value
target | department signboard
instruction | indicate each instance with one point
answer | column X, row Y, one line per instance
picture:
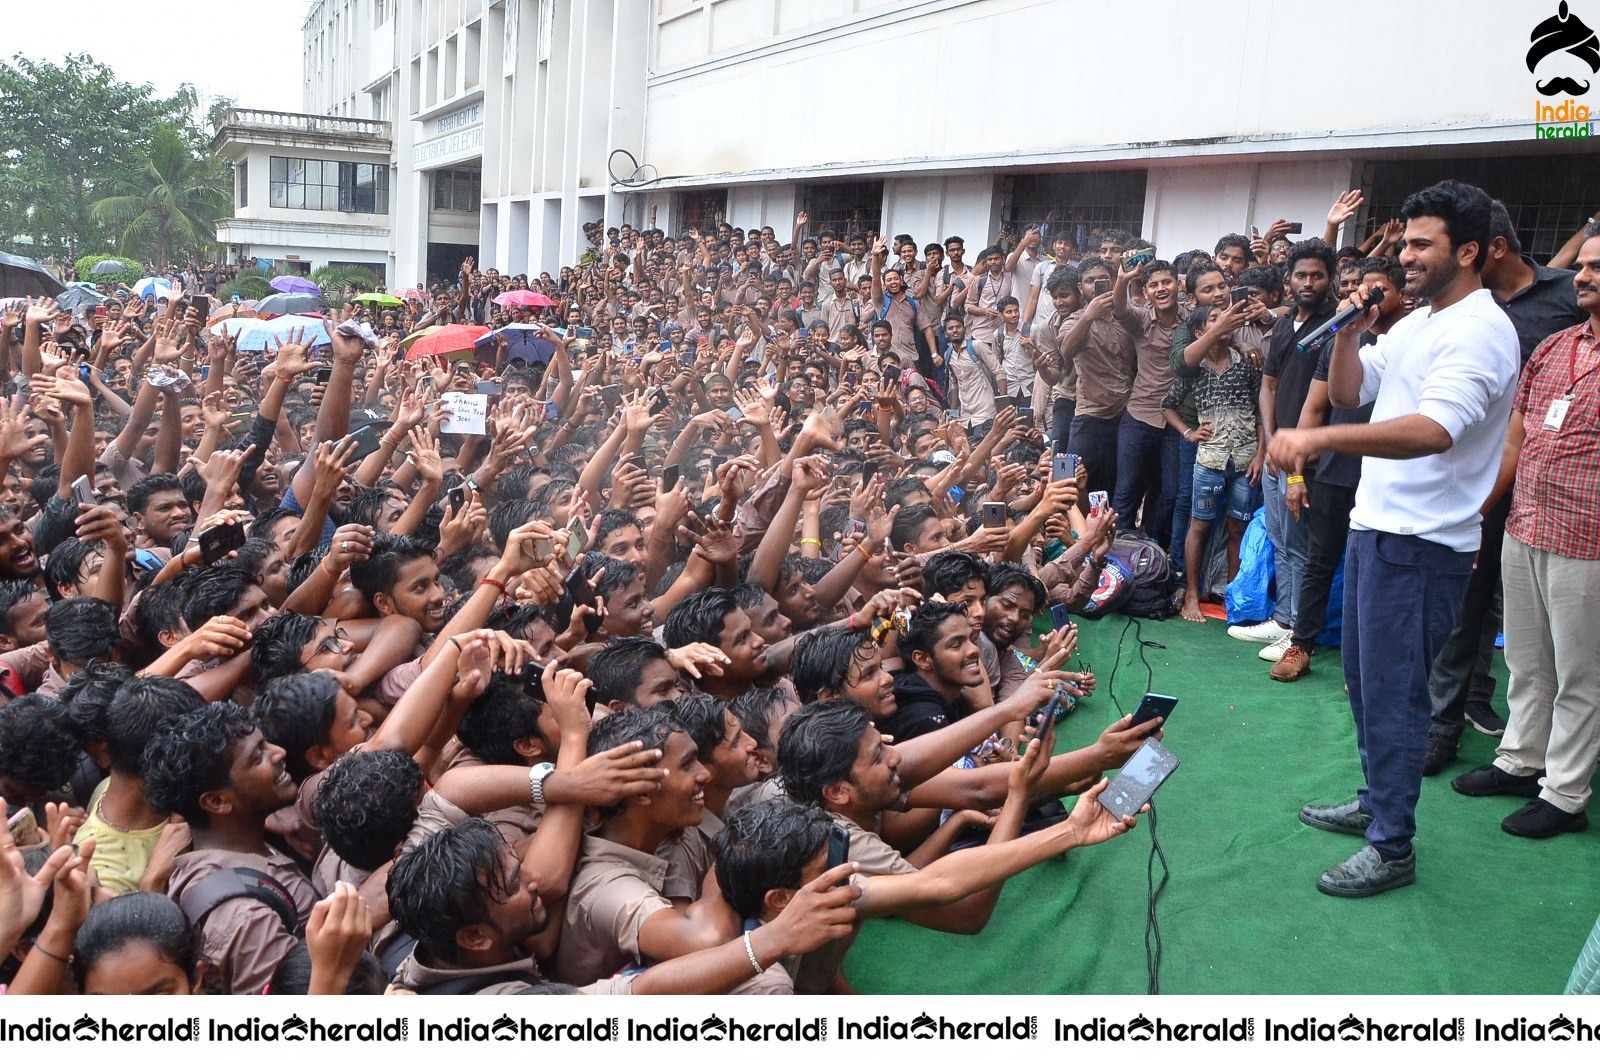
column 456, row 136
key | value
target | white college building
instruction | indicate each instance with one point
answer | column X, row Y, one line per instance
column 507, row 124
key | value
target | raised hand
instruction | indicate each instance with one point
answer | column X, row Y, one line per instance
column 337, row 935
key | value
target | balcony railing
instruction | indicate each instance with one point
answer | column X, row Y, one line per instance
column 279, row 121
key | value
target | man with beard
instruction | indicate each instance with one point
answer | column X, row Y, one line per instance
column 1147, row 448
column 213, row 766
column 160, row 512
column 18, row 559
column 1443, row 382
column 1285, row 381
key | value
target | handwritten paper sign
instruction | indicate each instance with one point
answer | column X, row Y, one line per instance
column 464, row 413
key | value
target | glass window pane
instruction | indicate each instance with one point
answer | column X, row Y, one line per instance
column 280, row 194
column 297, row 171
column 280, row 168
column 297, row 196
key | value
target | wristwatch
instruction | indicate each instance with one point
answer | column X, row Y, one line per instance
column 536, row 779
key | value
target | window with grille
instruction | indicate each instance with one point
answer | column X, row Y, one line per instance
column 1548, row 198
column 846, row 208
column 1088, row 201
column 703, row 209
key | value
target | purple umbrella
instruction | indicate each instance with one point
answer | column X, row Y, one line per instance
column 294, row 285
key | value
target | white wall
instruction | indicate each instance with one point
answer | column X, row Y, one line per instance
column 931, row 208
column 1187, row 208
column 1459, row 68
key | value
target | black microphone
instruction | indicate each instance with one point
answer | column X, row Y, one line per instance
column 1375, row 296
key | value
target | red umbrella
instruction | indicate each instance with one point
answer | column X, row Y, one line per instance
column 412, row 294
column 452, row 338
column 529, row 298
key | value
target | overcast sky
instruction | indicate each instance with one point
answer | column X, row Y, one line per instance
column 253, row 59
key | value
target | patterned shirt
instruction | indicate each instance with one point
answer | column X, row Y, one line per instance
column 1556, row 503
column 1228, row 402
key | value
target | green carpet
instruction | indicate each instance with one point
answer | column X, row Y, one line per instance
column 1488, row 914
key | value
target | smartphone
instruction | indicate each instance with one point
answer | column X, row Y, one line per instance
column 83, row 491
column 658, row 400
column 843, row 482
column 490, row 387
column 805, row 333
column 216, row 543
column 456, row 499
column 851, row 379
column 1255, row 233
column 1295, row 228
column 734, row 413
column 611, row 394
column 367, row 441
column 1004, row 401
column 1153, row 706
column 1064, row 466
column 1060, row 616
column 586, row 333
column 1102, row 286
column 25, row 829
column 868, row 469
column 1098, row 500
column 1025, row 415
column 582, row 594
column 533, row 683
column 1240, row 294
column 324, row 374
column 995, row 513
column 1043, row 720
column 854, row 526
column 891, row 372
column 1134, row 786
column 838, row 846
column 669, row 476
column 577, row 540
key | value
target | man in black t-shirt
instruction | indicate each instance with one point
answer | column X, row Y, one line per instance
column 940, row 650
column 1284, row 385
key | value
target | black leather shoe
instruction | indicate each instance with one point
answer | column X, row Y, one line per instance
column 1346, row 819
column 1540, row 820
column 1492, row 780
column 1441, row 752
column 1366, row 873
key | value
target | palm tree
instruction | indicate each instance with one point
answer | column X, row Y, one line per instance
column 170, row 199
column 344, row 281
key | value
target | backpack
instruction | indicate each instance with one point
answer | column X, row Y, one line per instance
column 1113, row 590
column 1151, row 594
column 201, row 899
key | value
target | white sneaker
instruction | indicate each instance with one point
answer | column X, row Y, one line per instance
column 1274, row 651
column 1262, row 632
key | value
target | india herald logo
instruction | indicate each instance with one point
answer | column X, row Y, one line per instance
column 1563, row 34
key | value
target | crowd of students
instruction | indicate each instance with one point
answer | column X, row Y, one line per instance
column 732, row 629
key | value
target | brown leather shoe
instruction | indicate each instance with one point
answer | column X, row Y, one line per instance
column 1295, row 664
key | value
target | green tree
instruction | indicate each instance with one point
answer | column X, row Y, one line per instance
column 170, row 200
column 339, row 282
column 70, row 128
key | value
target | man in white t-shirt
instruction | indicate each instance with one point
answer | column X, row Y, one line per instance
column 1443, row 381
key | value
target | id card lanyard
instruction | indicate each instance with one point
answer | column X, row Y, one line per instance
column 1556, row 415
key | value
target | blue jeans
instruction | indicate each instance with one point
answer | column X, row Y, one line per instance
column 1147, row 472
column 1095, row 442
column 1290, row 539
column 1217, row 490
column 1401, row 596
column 1183, row 503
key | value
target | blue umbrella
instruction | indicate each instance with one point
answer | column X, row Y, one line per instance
column 522, row 340
column 294, row 285
column 150, row 287
column 110, row 266
column 257, row 336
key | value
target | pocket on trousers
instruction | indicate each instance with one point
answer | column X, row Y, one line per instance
column 1400, row 550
